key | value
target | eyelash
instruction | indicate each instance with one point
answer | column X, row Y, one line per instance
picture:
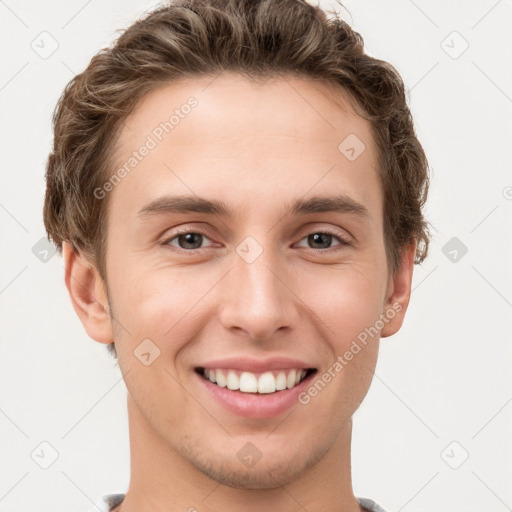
column 343, row 241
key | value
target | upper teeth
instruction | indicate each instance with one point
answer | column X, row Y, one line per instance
column 248, row 382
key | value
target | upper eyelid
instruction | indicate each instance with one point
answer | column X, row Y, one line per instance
column 184, row 231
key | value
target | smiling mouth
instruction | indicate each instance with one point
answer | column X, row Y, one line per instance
column 249, row 382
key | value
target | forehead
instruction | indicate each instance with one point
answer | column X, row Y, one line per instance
column 220, row 135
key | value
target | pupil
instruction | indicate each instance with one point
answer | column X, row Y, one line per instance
column 316, row 238
column 188, row 239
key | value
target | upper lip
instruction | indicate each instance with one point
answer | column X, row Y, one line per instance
column 255, row 365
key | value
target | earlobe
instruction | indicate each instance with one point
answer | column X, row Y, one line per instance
column 399, row 292
column 88, row 295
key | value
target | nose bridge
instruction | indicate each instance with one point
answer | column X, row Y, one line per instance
column 257, row 301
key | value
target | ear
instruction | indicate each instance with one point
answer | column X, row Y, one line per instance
column 88, row 294
column 399, row 292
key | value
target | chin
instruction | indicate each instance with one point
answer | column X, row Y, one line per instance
column 257, row 478
column 268, row 472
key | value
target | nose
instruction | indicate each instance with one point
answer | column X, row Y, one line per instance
column 258, row 298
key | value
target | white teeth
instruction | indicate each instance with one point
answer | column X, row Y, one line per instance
column 266, row 383
column 290, row 380
column 220, row 378
column 281, row 381
column 248, row 382
column 232, row 381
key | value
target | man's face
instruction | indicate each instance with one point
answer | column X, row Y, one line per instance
column 261, row 289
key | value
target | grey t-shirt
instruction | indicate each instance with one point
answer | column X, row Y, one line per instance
column 107, row 502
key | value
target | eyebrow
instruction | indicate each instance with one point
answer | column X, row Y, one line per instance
column 194, row 204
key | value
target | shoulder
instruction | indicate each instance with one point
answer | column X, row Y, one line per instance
column 370, row 505
column 107, row 503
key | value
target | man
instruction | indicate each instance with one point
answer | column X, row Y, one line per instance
column 237, row 192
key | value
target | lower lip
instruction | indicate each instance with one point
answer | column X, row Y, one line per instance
column 256, row 405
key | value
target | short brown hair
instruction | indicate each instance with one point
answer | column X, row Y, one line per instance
column 256, row 38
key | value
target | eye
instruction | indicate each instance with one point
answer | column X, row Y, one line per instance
column 187, row 240
column 323, row 240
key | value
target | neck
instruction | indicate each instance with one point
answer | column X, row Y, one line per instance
column 162, row 480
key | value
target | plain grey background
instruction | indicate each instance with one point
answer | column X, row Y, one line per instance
column 434, row 430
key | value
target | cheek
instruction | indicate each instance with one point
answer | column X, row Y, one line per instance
column 346, row 306
column 347, row 301
column 163, row 306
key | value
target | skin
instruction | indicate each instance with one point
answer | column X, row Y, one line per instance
column 257, row 147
